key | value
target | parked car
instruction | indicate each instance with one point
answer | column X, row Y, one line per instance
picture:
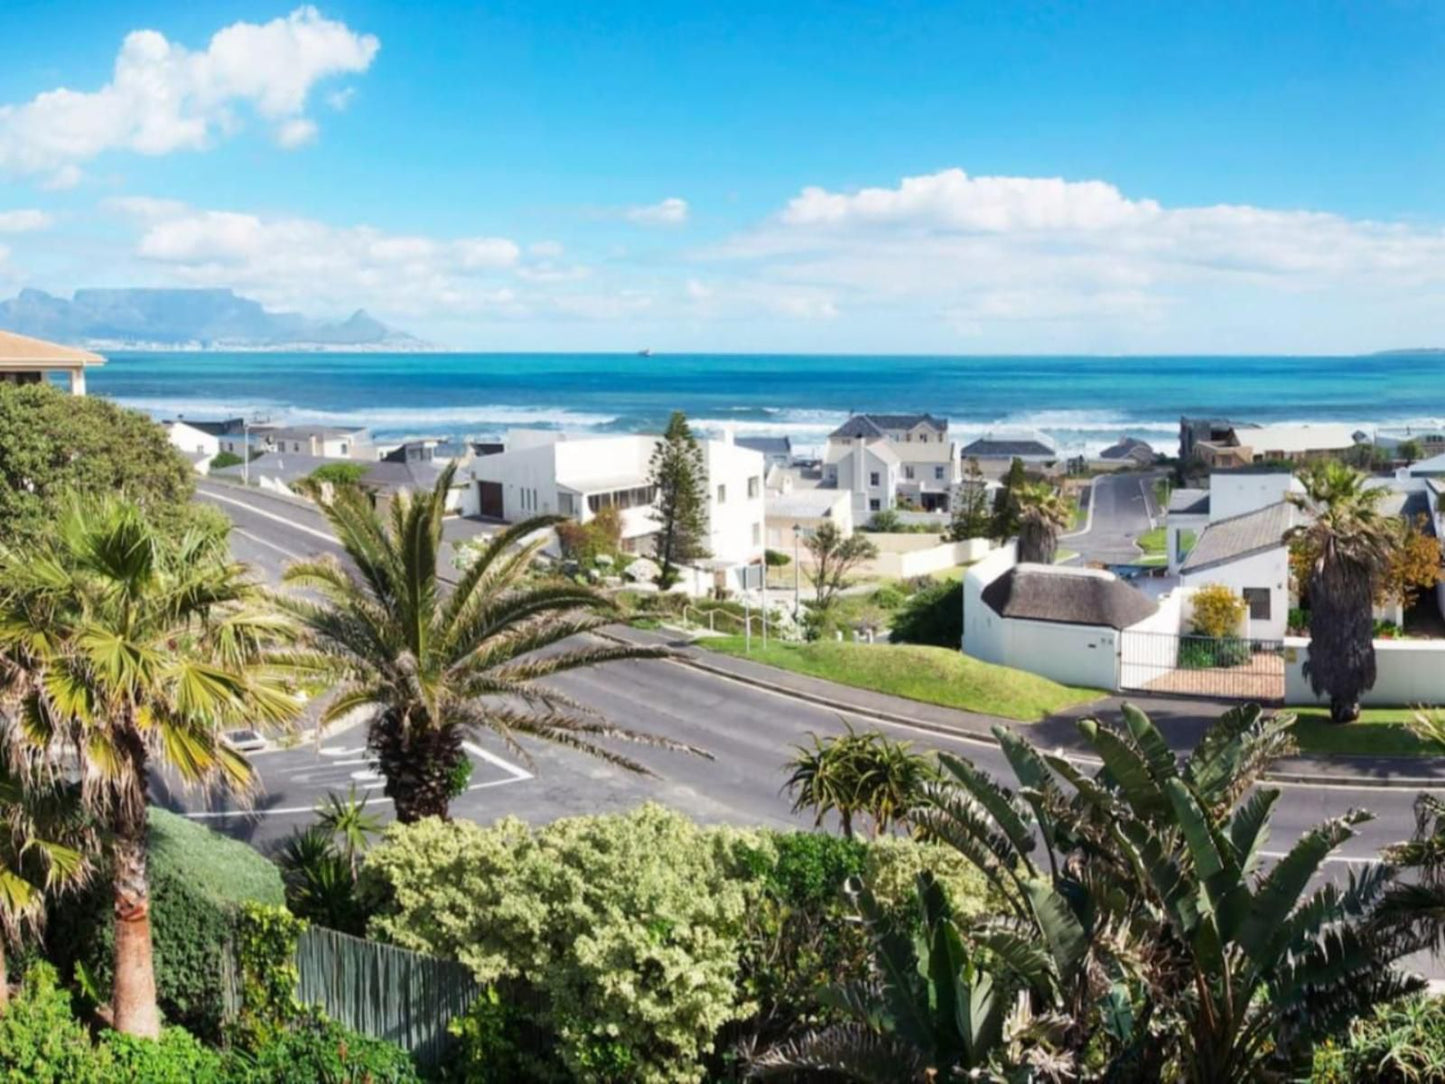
column 244, row 741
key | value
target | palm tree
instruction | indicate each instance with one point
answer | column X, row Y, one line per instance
column 1042, row 513
column 349, row 824
column 45, row 846
column 121, row 647
column 429, row 669
column 1349, row 543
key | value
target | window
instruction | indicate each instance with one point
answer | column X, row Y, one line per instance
column 722, row 494
column 938, row 474
column 755, row 485
column 757, row 534
column 295, row 445
column 566, row 504
column 345, row 448
column 1258, row 599
column 875, row 505
column 873, row 478
column 908, row 472
column 922, row 438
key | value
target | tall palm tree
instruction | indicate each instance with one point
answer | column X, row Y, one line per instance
column 1043, row 513
column 1350, row 543
column 429, row 668
column 121, row 647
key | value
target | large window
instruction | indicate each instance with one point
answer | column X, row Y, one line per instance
column 637, row 497
column 1258, row 599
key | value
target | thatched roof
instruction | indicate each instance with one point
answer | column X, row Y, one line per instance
column 1071, row 596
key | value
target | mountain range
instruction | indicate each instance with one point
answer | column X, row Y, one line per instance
column 206, row 319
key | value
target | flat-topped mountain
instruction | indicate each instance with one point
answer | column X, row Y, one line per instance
column 199, row 318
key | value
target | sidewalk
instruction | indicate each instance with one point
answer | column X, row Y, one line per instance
column 1181, row 721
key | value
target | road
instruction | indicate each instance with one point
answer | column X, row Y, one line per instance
column 1122, row 508
column 748, row 730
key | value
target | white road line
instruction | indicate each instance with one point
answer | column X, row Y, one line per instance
column 282, row 550
column 518, row 774
column 271, row 515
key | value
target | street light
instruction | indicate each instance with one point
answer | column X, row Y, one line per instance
column 246, row 427
column 797, row 570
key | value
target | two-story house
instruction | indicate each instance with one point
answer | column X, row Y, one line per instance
column 887, row 458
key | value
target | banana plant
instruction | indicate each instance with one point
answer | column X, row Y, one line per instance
column 932, row 1008
column 1144, row 884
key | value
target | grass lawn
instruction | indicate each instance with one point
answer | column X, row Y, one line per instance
column 1155, row 544
column 934, row 675
column 1379, row 732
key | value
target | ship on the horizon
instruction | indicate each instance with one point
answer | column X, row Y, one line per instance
column 645, row 352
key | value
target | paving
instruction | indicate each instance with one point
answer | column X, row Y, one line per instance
column 1122, row 507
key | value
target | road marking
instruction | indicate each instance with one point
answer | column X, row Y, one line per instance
column 272, row 515
column 282, row 550
column 517, row 774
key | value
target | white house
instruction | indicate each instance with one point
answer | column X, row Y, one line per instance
column 1247, row 553
column 196, row 444
column 549, row 473
column 1230, row 493
column 909, row 455
column 793, row 516
column 322, row 441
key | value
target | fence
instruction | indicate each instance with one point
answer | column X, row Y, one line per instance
column 383, row 991
column 1230, row 667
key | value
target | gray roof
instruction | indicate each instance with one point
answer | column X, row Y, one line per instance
column 873, row 425
column 383, row 475
column 987, row 448
column 1071, row 596
column 290, row 432
column 1244, row 535
column 767, row 445
column 1189, row 502
column 1126, row 448
column 224, row 427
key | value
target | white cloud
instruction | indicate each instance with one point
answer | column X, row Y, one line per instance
column 163, row 97
column 669, row 212
column 24, row 221
column 339, row 100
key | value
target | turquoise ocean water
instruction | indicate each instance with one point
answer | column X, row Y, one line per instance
column 1082, row 402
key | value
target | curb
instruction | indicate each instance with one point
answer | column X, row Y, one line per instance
column 1304, row 779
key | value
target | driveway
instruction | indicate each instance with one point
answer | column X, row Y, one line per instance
column 1123, row 508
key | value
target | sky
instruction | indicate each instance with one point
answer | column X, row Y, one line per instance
column 907, row 177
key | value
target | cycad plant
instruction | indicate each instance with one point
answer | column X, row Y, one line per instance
column 1349, row 542
column 123, row 650
column 427, row 667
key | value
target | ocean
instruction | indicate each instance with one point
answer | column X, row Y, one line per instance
column 1083, row 403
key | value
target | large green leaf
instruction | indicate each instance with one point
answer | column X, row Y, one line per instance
column 1061, row 928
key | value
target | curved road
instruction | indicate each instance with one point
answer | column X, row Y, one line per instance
column 748, row 730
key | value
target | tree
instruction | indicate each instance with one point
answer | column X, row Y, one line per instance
column 1004, row 523
column 54, row 447
column 1409, row 451
column 428, row 670
column 854, row 775
column 339, row 474
column 1414, row 566
column 835, row 556
column 123, row 647
column 933, row 615
column 884, row 521
column 679, row 475
column 1351, row 544
column 1174, row 952
column 321, row 865
column 971, row 515
column 1042, row 514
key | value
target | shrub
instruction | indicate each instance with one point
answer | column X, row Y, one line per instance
column 601, row 536
column 340, row 474
column 884, row 522
column 1209, row 653
column 317, row 1050
column 628, row 927
column 889, row 597
column 266, row 960
column 221, row 460
column 1217, row 610
column 41, row 1042
column 176, row 1058
column 198, row 880
column 1399, row 1043
column 776, row 558
column 933, row 615
column 1298, row 620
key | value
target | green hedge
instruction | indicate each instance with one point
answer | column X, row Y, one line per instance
column 198, row 880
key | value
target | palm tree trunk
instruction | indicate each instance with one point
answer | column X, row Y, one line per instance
column 419, row 765
column 133, row 1001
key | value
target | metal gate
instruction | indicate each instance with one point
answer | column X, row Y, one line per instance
column 1223, row 667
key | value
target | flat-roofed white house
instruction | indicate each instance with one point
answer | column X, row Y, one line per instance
column 24, row 360
column 885, row 458
column 324, row 441
column 550, row 473
column 793, row 516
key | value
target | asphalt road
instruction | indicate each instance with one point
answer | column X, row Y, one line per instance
column 1122, row 507
column 748, row 730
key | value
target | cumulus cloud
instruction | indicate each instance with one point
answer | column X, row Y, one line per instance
column 24, row 221
column 163, row 97
column 669, row 212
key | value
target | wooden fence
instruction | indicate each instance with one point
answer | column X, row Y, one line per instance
column 389, row 993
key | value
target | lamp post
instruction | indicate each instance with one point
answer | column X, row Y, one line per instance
column 797, row 570
column 246, row 429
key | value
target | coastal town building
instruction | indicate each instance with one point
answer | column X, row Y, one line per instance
column 328, row 442
column 551, row 473
column 792, row 517
column 996, row 451
column 885, row 459
column 1126, row 452
column 776, row 451
column 1229, row 446
column 24, row 360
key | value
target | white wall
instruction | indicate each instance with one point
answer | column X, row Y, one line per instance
column 735, row 526
column 1409, row 673
column 192, row 441
column 1270, row 570
column 1142, row 658
column 925, row 561
column 1232, row 493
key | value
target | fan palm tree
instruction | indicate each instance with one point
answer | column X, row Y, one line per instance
column 1042, row 513
column 1349, row 543
column 430, row 668
column 121, row 648
column 45, row 846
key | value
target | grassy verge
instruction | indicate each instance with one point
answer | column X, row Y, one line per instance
column 933, row 675
column 1155, row 545
column 1379, row 732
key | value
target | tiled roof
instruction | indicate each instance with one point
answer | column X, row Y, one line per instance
column 1189, row 502
column 874, row 425
column 987, row 448
column 1244, row 535
column 1068, row 596
column 1127, row 447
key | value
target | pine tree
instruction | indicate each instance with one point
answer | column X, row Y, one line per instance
column 1005, row 503
column 971, row 516
column 680, row 478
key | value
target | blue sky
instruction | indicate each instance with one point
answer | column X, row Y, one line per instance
column 910, row 177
